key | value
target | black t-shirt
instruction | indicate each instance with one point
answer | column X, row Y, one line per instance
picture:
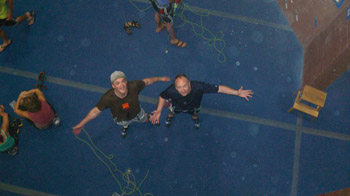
column 193, row 99
column 123, row 108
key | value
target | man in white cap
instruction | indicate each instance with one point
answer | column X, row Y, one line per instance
column 123, row 101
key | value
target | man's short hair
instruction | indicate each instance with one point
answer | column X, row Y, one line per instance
column 181, row 75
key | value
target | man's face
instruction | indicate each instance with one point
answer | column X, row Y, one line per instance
column 120, row 85
column 183, row 86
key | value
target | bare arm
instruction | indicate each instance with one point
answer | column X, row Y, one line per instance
column 149, row 81
column 156, row 113
column 94, row 112
column 227, row 90
column 17, row 110
column 38, row 92
column 5, row 119
column 240, row 92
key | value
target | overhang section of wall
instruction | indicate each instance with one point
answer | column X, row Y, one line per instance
column 323, row 31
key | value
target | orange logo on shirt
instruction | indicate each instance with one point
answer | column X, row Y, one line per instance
column 125, row 106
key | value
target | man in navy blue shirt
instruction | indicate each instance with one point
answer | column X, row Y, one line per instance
column 185, row 96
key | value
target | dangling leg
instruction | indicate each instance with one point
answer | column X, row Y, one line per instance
column 6, row 42
column 28, row 15
column 159, row 25
column 173, row 39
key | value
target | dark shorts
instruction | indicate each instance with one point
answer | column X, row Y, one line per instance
column 193, row 111
column 5, row 22
column 168, row 18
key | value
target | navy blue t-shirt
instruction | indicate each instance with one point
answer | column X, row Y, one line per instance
column 193, row 99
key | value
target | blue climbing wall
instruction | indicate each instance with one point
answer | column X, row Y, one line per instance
column 241, row 148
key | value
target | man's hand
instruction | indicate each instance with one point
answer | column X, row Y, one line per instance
column 94, row 112
column 245, row 93
column 165, row 79
column 77, row 129
column 155, row 117
column 2, row 108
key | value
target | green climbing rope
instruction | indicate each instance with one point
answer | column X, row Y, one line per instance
column 129, row 185
column 214, row 40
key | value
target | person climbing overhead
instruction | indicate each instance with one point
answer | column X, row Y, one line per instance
column 163, row 17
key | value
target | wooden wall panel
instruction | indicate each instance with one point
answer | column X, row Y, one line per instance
column 343, row 192
column 326, row 46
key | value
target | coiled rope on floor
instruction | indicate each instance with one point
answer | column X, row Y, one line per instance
column 128, row 185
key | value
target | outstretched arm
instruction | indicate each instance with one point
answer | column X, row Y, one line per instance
column 17, row 110
column 149, row 81
column 156, row 113
column 5, row 119
column 240, row 92
column 90, row 116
